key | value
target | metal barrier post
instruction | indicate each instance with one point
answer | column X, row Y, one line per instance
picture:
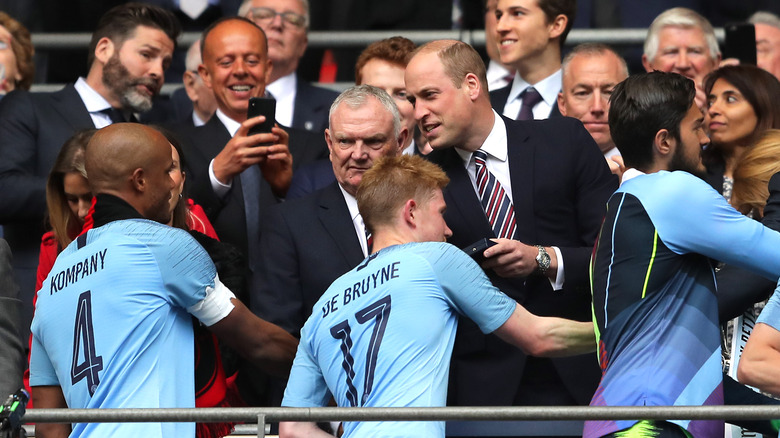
column 260, row 425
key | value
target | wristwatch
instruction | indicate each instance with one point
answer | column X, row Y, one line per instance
column 542, row 259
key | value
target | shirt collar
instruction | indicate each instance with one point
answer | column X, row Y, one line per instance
column 283, row 86
column 495, row 143
column 548, row 87
column 630, row 173
column 230, row 124
column 91, row 98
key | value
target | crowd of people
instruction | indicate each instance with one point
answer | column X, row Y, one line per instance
column 161, row 253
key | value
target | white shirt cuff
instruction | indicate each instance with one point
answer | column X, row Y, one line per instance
column 559, row 277
column 219, row 188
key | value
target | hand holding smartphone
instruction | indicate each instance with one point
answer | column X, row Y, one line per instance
column 740, row 43
column 476, row 249
column 262, row 106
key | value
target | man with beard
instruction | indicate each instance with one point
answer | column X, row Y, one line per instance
column 112, row 326
column 129, row 51
column 653, row 283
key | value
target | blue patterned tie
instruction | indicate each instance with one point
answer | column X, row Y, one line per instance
column 496, row 203
column 250, row 188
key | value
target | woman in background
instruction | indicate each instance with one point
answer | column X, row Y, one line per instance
column 740, row 107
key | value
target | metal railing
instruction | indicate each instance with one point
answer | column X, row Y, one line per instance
column 359, row 39
column 459, row 414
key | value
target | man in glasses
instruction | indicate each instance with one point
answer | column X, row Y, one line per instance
column 286, row 23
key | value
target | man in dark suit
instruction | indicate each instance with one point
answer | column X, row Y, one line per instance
column 286, row 24
column 11, row 347
column 530, row 36
column 308, row 243
column 552, row 184
column 235, row 176
column 129, row 51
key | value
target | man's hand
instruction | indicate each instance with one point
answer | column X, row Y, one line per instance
column 510, row 258
column 243, row 151
column 277, row 163
column 616, row 165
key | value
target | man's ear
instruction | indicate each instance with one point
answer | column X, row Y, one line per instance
column 558, row 25
column 410, row 209
column 138, row 180
column 402, row 136
column 104, row 50
column 561, row 104
column 188, row 80
column 473, row 85
column 204, row 75
column 664, row 145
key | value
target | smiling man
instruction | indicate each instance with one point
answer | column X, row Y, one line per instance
column 286, row 24
column 129, row 52
column 235, row 176
column 530, row 36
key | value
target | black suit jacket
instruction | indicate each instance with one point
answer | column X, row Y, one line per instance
column 311, row 107
column 12, row 360
column 560, row 186
column 33, row 127
column 306, row 244
column 227, row 214
column 311, row 177
column 499, row 97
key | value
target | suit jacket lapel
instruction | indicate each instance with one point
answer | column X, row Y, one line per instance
column 521, row 152
column 335, row 217
column 67, row 102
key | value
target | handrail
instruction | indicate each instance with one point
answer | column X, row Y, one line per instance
column 340, row 39
column 481, row 413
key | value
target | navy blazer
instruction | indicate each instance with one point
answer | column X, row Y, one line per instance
column 499, row 97
column 311, row 107
column 306, row 244
column 560, row 187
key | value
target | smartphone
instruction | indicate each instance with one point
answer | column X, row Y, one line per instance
column 740, row 43
column 262, row 106
column 476, row 249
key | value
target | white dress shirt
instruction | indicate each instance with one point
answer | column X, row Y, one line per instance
column 357, row 220
column 496, row 147
column 283, row 90
column 548, row 88
column 94, row 102
column 497, row 76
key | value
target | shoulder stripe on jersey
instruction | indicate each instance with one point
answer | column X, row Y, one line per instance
column 652, row 259
column 81, row 241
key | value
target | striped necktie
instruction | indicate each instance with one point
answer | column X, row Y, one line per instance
column 496, row 203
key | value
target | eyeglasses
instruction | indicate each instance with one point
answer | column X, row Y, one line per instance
column 267, row 14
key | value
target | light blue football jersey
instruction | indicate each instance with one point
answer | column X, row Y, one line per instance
column 382, row 334
column 111, row 325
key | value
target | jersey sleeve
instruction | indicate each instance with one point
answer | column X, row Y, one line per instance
column 691, row 217
column 190, row 276
column 306, row 387
column 41, row 369
column 468, row 288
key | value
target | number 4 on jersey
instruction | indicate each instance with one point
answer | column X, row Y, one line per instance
column 379, row 311
column 84, row 347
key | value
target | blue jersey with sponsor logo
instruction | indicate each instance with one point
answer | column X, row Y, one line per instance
column 382, row 334
column 111, row 325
